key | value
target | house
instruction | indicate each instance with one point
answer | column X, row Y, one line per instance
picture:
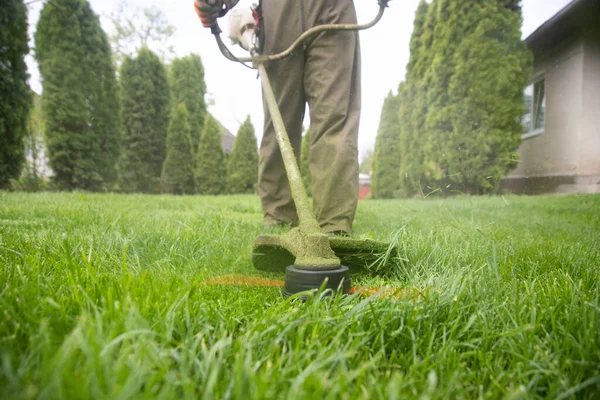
column 561, row 144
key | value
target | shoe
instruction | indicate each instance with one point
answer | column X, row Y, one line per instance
column 270, row 223
column 338, row 234
column 277, row 226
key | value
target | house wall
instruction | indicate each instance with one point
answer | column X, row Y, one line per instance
column 556, row 151
column 589, row 143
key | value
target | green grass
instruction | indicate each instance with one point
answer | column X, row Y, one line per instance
column 101, row 297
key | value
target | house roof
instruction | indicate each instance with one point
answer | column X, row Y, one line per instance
column 575, row 16
column 227, row 138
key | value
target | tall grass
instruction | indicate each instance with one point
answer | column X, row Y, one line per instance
column 102, row 297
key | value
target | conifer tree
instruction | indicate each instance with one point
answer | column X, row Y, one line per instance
column 419, row 40
column 461, row 102
column 211, row 169
column 475, row 95
column 485, row 92
column 386, row 164
column 145, row 115
column 80, row 103
column 242, row 164
column 450, row 29
column 15, row 101
column 305, row 162
column 178, row 168
column 31, row 177
column 188, row 87
column 412, row 104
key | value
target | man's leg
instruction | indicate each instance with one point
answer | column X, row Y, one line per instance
column 282, row 26
column 332, row 87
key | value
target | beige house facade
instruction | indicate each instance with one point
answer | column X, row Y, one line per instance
column 561, row 141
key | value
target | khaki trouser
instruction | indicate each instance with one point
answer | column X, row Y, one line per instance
column 325, row 73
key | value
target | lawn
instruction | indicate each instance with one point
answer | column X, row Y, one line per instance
column 104, row 296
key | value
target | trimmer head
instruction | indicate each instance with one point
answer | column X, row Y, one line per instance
column 270, row 252
column 301, row 280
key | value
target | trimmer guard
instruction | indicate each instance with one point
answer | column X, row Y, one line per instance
column 270, row 253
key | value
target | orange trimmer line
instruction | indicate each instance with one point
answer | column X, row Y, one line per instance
column 257, row 281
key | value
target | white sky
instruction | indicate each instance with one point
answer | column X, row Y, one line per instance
column 235, row 89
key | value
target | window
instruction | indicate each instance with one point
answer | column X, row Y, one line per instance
column 535, row 109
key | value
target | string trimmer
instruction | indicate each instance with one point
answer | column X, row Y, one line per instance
column 308, row 256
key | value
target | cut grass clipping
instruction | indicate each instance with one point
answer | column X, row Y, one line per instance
column 102, row 296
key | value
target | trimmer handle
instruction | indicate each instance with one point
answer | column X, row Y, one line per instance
column 215, row 29
column 262, row 59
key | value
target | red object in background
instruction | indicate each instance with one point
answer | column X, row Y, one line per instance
column 364, row 186
column 363, row 192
